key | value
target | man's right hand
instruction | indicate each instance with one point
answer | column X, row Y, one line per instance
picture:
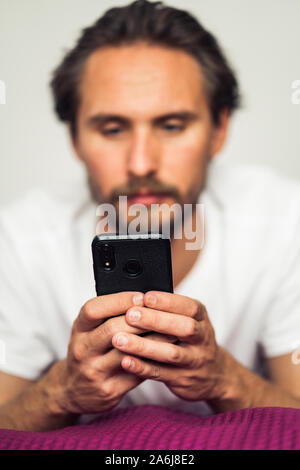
column 91, row 379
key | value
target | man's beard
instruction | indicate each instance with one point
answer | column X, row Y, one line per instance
column 152, row 185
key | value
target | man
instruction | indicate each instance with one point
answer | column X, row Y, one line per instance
column 148, row 96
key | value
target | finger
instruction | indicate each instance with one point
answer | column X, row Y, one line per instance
column 110, row 362
column 185, row 328
column 96, row 310
column 100, row 338
column 155, row 350
column 160, row 337
column 122, row 383
column 174, row 303
column 151, row 370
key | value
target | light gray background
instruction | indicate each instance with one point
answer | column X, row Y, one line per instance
column 260, row 37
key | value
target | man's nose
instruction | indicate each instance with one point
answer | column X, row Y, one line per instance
column 143, row 154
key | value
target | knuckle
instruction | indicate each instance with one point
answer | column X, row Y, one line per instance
column 90, row 373
column 79, row 351
column 195, row 362
column 155, row 372
column 140, row 369
column 202, row 315
column 191, row 328
column 88, row 310
column 167, row 302
column 195, row 309
column 107, row 391
column 155, row 322
column 108, row 328
column 138, row 347
column 185, row 381
column 175, row 354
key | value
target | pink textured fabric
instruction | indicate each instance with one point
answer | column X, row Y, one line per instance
column 153, row 427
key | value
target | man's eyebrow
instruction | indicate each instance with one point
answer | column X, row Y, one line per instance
column 103, row 118
column 186, row 116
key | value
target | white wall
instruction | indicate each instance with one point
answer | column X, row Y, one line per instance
column 261, row 37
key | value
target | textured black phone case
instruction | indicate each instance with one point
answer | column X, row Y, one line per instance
column 153, row 255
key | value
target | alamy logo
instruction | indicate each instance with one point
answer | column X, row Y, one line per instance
column 2, row 92
column 152, row 219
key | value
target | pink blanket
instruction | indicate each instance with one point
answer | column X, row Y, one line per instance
column 154, row 427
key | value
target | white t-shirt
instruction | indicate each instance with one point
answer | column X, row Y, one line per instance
column 248, row 274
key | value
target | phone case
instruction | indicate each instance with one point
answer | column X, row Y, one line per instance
column 136, row 263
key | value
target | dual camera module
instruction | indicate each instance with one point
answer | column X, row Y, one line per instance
column 132, row 267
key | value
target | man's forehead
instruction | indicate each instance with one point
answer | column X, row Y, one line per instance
column 142, row 75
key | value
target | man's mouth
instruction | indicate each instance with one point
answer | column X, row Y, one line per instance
column 147, row 198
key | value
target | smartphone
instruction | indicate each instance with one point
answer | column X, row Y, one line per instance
column 139, row 262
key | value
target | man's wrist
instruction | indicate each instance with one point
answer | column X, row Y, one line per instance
column 231, row 390
column 40, row 407
column 53, row 390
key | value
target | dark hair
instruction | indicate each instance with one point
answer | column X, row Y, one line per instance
column 154, row 23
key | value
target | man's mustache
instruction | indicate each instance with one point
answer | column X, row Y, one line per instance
column 150, row 185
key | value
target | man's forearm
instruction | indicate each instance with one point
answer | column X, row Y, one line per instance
column 242, row 388
column 36, row 408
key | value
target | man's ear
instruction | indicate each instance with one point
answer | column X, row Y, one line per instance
column 220, row 132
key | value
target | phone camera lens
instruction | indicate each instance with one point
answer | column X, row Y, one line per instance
column 133, row 267
column 107, row 257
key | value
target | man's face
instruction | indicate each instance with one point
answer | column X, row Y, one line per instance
column 144, row 127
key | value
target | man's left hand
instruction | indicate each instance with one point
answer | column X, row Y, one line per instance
column 194, row 367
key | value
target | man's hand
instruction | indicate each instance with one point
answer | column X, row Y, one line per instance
column 89, row 380
column 92, row 379
column 193, row 369
column 196, row 367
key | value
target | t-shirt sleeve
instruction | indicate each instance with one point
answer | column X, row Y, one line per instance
column 24, row 348
column 280, row 332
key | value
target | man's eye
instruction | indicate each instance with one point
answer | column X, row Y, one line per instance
column 170, row 128
column 112, row 131
column 173, row 127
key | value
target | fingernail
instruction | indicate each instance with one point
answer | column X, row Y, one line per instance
column 128, row 362
column 122, row 340
column 134, row 315
column 138, row 299
column 151, row 299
